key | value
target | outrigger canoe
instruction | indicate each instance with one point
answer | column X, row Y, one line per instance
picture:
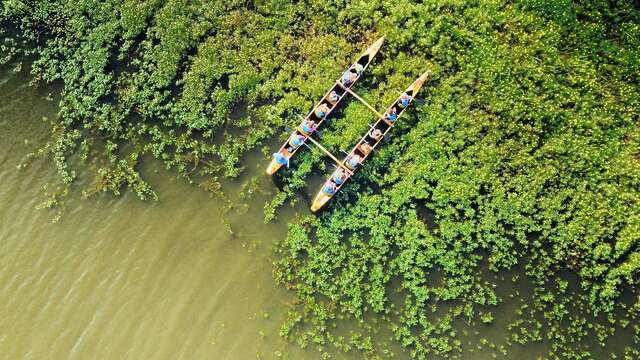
column 328, row 102
column 367, row 144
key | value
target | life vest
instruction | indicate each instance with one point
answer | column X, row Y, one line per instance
column 404, row 101
column 296, row 140
column 306, row 128
column 280, row 159
column 329, row 189
column 321, row 111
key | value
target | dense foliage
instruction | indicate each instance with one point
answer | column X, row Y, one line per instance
column 524, row 152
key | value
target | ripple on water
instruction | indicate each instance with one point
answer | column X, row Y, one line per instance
column 122, row 278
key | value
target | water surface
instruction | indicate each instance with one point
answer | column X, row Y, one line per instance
column 121, row 278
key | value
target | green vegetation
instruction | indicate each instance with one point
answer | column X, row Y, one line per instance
column 525, row 151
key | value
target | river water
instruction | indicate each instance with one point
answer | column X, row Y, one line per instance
column 119, row 278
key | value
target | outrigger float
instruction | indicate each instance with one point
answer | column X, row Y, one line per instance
column 367, row 144
column 323, row 109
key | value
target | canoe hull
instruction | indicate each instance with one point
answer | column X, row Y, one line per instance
column 319, row 201
column 322, row 198
column 365, row 60
column 273, row 167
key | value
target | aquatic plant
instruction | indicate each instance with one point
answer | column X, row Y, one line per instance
column 524, row 151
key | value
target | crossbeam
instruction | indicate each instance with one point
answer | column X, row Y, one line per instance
column 340, row 163
column 360, row 99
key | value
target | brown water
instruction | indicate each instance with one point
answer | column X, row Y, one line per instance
column 119, row 278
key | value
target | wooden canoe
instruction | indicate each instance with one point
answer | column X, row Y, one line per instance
column 381, row 124
column 364, row 60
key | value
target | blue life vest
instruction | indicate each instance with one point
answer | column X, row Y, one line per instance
column 306, row 128
column 329, row 190
column 337, row 179
column 280, row 159
column 296, row 141
column 346, row 77
column 392, row 117
column 404, row 102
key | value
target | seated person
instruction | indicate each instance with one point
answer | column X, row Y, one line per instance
column 322, row 110
column 295, row 141
column 333, row 97
column 365, row 148
column 329, row 188
column 404, row 101
column 353, row 161
column 391, row 115
column 348, row 77
column 339, row 176
column 375, row 134
column 358, row 68
column 308, row 126
column 281, row 158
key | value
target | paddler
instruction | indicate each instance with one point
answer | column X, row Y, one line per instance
column 353, row 161
column 404, row 100
column 295, row 141
column 339, row 176
column 329, row 188
column 308, row 126
column 281, row 159
column 333, row 97
column 365, row 148
column 359, row 68
column 348, row 77
column 322, row 110
column 391, row 115
column 375, row 134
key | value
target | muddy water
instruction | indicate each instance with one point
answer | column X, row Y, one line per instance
column 120, row 278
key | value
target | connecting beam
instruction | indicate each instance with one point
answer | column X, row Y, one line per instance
column 338, row 162
column 360, row 99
